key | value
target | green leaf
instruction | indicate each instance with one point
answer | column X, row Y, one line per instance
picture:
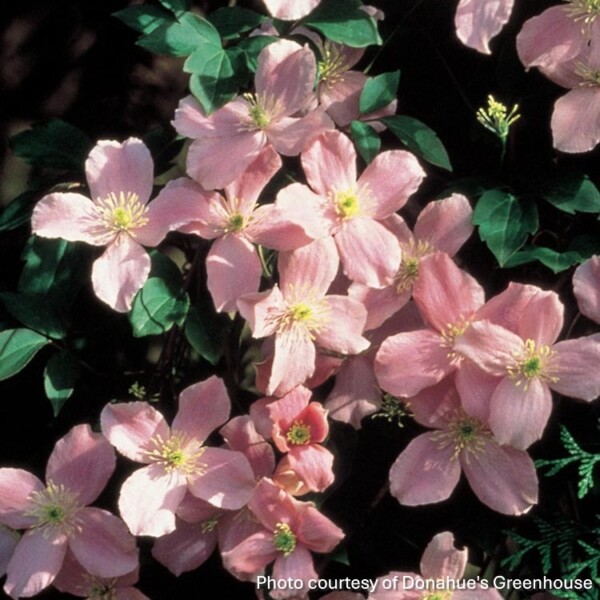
column 60, row 376
column 17, row 348
column 145, row 18
column 56, row 145
column 504, row 223
column 177, row 7
column 379, row 92
column 573, row 193
column 366, row 140
column 34, row 312
column 162, row 302
column 344, row 22
column 556, row 261
column 53, row 268
column 252, row 47
column 232, row 21
column 18, row 211
column 419, row 138
column 171, row 38
column 207, row 333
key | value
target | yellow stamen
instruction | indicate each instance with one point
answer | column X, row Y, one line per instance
column 298, row 434
column 285, row 539
column 464, row 433
column 122, row 213
column 178, row 452
column 55, row 507
column 532, row 363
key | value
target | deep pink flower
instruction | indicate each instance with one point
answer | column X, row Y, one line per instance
column 429, row 468
column 440, row 561
column 351, row 209
column 56, row 516
column 176, row 458
column 300, row 315
column 478, row 21
column 290, row 531
column 227, row 141
column 586, row 287
column 118, row 216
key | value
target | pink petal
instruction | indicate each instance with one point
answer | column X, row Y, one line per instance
column 280, row 228
column 444, row 293
column 186, row 548
column 329, row 163
column 380, row 303
column 299, row 566
column 120, row 273
column 435, row 406
column 478, row 21
column 576, row 120
column 475, row 388
column 425, row 472
column 313, row 464
column 586, row 287
column 162, row 492
column 203, row 407
column 576, row 366
column 317, row 532
column 251, row 555
column 35, row 563
column 195, row 510
column 67, row 216
column 290, row 135
column 370, row 253
column 502, row 478
column 190, row 121
column 112, row 167
column 102, row 545
column 389, row 181
column 8, row 542
column 83, row 462
column 342, row 331
column 129, row 427
column 72, row 578
column 441, row 559
column 399, row 593
column 258, row 310
column 290, row 10
column 226, row 480
column 235, row 527
column 341, row 97
column 406, row 363
column 518, row 416
column 16, row 485
column 445, row 224
column 271, row 505
column 281, row 413
column 293, row 362
column 308, row 271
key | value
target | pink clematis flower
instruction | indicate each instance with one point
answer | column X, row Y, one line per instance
column 478, row 21
column 227, row 141
column 429, row 468
column 290, row 10
column 176, row 458
column 351, row 209
column 56, row 516
column 300, row 315
column 290, row 531
column 119, row 217
column 586, row 287
column 441, row 562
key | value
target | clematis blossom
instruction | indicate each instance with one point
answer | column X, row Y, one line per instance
column 176, row 459
column 586, row 287
column 478, row 21
column 57, row 519
column 290, row 10
column 118, row 216
column 227, row 141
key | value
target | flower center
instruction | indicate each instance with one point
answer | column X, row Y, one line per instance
column 332, row 66
column 54, row 507
column 102, row 591
column 441, row 595
column 589, row 76
column 122, row 213
column 285, row 539
column 209, row 524
column 449, row 335
column 583, row 10
column 464, row 433
column 261, row 110
column 179, row 452
column 236, row 223
column 298, row 434
column 347, row 204
column 532, row 363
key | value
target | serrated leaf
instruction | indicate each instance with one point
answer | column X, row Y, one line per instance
column 379, row 92
column 419, row 138
column 55, row 144
column 17, row 348
column 573, row 193
column 18, row 211
column 60, row 376
column 232, row 21
column 34, row 312
column 366, row 140
column 207, row 333
column 503, row 223
column 162, row 302
column 344, row 22
column 556, row 261
column 145, row 18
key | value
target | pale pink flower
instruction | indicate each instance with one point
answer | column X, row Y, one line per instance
column 74, row 579
column 228, row 140
column 478, row 21
column 56, row 516
column 290, row 531
column 176, row 458
column 440, row 561
column 586, row 287
column 297, row 427
column 9, row 538
column 301, row 316
column 429, row 468
column 442, row 226
column 290, row 10
column 119, row 217
column 352, row 209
